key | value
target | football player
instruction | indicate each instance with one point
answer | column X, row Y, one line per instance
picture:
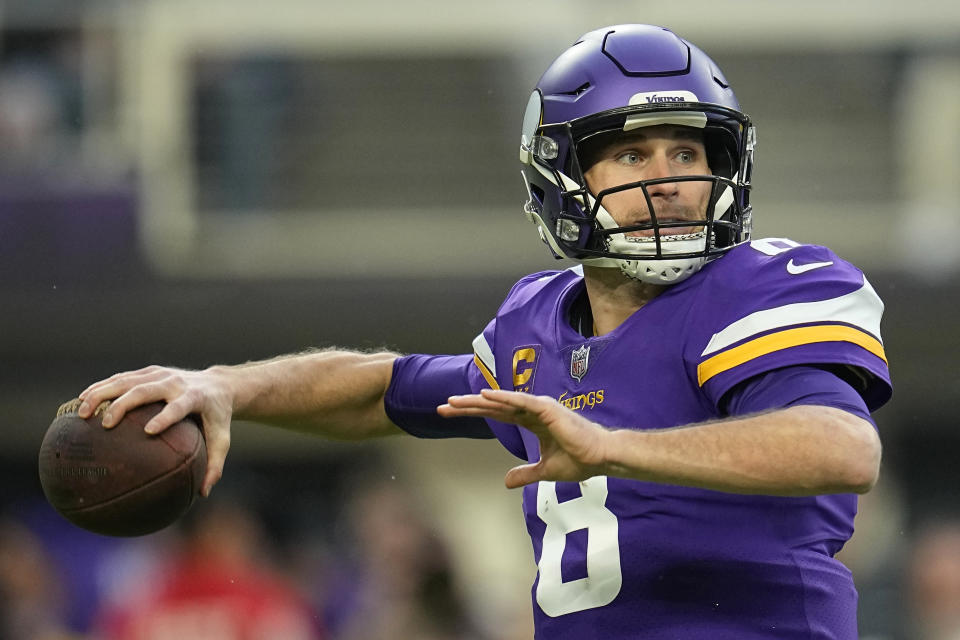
column 692, row 406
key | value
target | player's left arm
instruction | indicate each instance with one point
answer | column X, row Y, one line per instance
column 800, row 450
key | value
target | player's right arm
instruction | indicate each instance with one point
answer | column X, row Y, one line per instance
column 336, row 394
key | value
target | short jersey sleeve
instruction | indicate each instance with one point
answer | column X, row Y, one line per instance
column 492, row 350
column 778, row 304
column 421, row 383
column 793, row 386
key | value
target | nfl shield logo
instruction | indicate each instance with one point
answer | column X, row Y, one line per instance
column 579, row 361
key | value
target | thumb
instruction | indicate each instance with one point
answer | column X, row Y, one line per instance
column 522, row 475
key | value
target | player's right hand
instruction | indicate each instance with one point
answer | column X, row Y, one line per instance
column 185, row 392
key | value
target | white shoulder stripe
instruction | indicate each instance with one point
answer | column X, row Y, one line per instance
column 485, row 353
column 577, row 269
column 861, row 308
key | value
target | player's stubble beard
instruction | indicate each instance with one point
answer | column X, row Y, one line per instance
column 668, row 212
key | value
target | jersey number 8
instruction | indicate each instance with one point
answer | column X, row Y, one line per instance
column 604, row 577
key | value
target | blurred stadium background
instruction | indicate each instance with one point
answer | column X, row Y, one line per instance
column 192, row 183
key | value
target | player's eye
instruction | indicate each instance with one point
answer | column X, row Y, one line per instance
column 629, row 158
column 686, row 156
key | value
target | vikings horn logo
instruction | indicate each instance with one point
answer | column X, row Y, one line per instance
column 579, row 361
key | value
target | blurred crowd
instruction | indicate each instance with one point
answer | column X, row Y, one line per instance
column 219, row 575
column 378, row 570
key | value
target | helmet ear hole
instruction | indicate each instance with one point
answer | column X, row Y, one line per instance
column 721, row 148
column 722, row 237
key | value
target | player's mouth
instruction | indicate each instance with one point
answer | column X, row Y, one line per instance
column 666, row 230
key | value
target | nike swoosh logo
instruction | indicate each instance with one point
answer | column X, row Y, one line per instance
column 797, row 269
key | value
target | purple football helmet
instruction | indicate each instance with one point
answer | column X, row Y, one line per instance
column 618, row 79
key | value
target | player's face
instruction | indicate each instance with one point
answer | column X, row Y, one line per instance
column 645, row 154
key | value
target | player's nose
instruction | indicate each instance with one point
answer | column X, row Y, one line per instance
column 659, row 168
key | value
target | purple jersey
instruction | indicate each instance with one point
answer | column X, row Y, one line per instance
column 628, row 559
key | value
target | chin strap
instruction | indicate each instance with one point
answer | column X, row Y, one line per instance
column 661, row 271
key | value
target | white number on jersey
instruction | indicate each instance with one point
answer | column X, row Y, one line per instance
column 604, row 577
column 773, row 246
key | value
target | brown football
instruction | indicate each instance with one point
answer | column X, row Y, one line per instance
column 121, row 481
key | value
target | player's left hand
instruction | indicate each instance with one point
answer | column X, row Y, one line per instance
column 571, row 447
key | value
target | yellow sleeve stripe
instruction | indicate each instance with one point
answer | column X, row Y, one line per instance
column 489, row 377
column 783, row 340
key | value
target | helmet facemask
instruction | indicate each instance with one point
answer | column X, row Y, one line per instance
column 583, row 228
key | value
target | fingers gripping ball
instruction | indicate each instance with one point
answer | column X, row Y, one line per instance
column 121, row 481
